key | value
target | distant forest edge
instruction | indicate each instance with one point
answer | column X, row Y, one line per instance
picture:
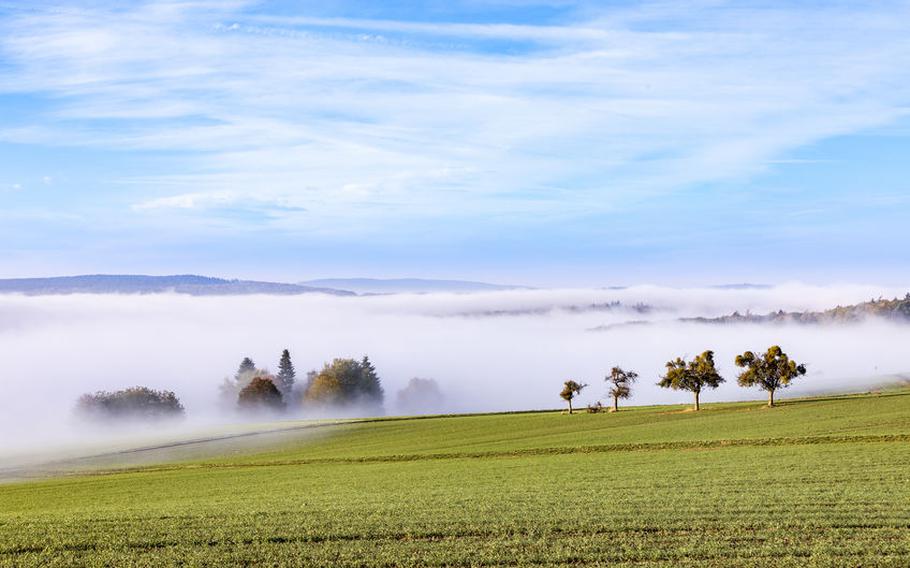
column 897, row 309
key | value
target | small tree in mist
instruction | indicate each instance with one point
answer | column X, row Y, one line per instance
column 260, row 394
column 286, row 374
column 140, row 403
column 570, row 390
column 620, row 383
column 420, row 395
column 231, row 386
column 247, row 366
column 771, row 371
column 694, row 376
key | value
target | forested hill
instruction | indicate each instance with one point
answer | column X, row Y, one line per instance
column 897, row 309
column 138, row 284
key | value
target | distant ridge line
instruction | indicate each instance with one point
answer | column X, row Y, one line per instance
column 189, row 284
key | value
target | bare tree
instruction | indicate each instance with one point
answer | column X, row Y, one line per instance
column 620, row 382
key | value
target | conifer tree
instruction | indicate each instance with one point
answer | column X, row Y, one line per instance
column 247, row 367
column 286, row 374
column 370, row 384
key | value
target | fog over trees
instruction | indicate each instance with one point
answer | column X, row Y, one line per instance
column 487, row 352
column 134, row 403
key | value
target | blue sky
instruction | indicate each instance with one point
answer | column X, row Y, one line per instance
column 555, row 143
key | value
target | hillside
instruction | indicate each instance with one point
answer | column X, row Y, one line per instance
column 139, row 284
column 818, row 481
column 897, row 309
column 406, row 285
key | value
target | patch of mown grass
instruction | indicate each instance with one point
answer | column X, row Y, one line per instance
column 823, row 482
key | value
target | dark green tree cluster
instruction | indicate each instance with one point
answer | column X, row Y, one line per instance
column 770, row 372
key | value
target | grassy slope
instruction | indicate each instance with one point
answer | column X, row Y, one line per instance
column 822, row 482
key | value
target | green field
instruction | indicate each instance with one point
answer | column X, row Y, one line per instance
column 814, row 482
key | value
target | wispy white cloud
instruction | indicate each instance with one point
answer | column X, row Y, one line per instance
column 387, row 119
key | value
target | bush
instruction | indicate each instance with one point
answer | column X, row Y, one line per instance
column 595, row 408
column 132, row 403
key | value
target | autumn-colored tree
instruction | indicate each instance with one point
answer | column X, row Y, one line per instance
column 260, row 394
column 570, row 390
column 324, row 389
column 346, row 382
column 620, row 383
column 693, row 376
column 771, row 371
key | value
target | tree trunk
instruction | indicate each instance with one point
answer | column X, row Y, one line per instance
column 615, row 404
column 570, row 407
column 696, row 400
column 770, row 398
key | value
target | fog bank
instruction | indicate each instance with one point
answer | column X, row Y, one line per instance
column 501, row 350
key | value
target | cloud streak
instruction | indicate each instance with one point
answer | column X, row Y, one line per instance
column 396, row 120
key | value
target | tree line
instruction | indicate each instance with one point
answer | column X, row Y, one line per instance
column 770, row 371
column 341, row 383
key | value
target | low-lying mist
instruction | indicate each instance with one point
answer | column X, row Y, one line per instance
column 503, row 350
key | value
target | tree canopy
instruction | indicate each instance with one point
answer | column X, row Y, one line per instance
column 692, row 376
column 771, row 371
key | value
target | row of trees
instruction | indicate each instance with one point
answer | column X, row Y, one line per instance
column 343, row 384
column 340, row 384
column 770, row 372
